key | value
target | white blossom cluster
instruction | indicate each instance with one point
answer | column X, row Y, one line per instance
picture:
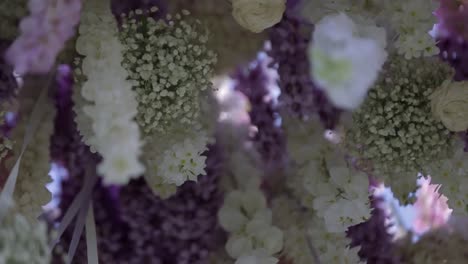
column 170, row 69
column 111, row 104
column 335, row 193
column 253, row 238
column 23, row 242
column 407, row 22
column 171, row 161
column 413, row 20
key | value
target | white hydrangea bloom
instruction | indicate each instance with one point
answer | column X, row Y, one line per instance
column 345, row 60
column 245, row 215
column 111, row 102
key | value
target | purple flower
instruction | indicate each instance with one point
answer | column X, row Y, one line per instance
column 43, row 35
column 258, row 82
column 376, row 246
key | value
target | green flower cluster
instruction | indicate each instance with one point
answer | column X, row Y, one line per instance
column 170, row 67
column 394, row 128
column 23, row 243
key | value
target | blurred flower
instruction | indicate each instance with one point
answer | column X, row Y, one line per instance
column 257, row 15
column 346, row 59
column 450, row 105
column 43, row 35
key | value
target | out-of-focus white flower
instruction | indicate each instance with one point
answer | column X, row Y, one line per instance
column 238, row 245
column 257, row 257
column 257, row 15
column 346, row 59
column 450, row 105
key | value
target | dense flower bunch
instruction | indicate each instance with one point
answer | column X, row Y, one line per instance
column 395, row 128
column 160, row 56
column 299, row 145
column 252, row 236
column 112, row 105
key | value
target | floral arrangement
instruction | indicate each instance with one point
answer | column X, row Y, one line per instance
column 233, row 132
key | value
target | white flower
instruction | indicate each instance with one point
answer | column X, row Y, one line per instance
column 257, row 15
column 231, row 219
column 257, row 257
column 238, row 245
column 450, row 105
column 184, row 160
column 268, row 238
column 345, row 59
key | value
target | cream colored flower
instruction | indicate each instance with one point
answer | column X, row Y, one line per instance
column 450, row 105
column 257, row 15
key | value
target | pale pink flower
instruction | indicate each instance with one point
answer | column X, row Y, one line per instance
column 432, row 210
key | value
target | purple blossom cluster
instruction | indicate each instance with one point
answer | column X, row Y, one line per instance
column 257, row 82
column 43, row 35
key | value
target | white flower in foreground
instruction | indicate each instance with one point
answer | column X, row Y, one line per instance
column 346, row 59
column 450, row 105
column 257, row 15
